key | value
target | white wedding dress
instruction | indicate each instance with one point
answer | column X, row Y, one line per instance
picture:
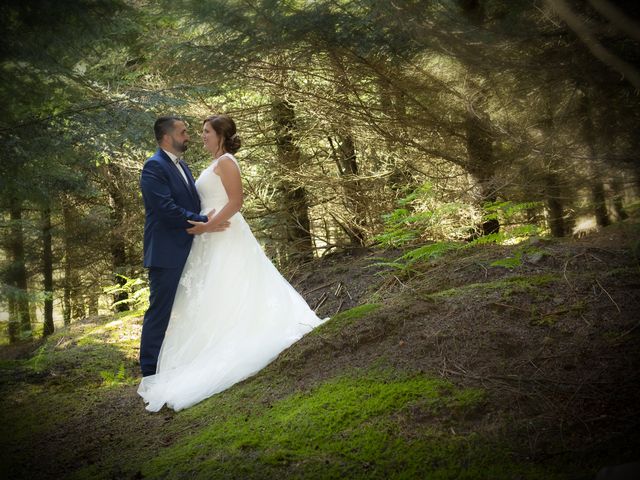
column 233, row 312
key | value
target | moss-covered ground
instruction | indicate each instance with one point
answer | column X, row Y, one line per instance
column 464, row 367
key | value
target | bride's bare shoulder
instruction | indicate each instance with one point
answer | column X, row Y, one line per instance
column 228, row 159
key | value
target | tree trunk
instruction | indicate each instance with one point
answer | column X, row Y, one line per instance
column 18, row 272
column 482, row 163
column 78, row 310
column 73, row 298
column 400, row 179
column 14, row 323
column 555, row 193
column 600, row 203
column 479, row 136
column 618, row 198
column 344, row 154
column 33, row 312
column 66, row 296
column 555, row 207
column 118, row 246
column 293, row 197
column 93, row 304
column 473, row 10
column 47, row 271
column 68, row 268
column 598, row 195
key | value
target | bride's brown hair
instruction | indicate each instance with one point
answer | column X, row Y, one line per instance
column 225, row 127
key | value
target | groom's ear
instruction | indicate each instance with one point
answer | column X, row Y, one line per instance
column 164, row 138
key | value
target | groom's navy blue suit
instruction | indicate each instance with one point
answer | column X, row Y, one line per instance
column 169, row 202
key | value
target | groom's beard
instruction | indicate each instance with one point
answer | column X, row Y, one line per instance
column 180, row 147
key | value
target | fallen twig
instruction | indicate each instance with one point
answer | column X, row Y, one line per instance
column 630, row 330
column 318, row 288
column 486, row 270
column 610, row 298
column 323, row 298
column 555, row 312
column 600, row 260
column 510, row 306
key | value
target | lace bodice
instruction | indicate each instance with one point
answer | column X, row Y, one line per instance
column 210, row 187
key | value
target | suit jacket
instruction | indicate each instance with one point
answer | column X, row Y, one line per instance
column 168, row 202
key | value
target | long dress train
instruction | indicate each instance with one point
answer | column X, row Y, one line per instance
column 232, row 315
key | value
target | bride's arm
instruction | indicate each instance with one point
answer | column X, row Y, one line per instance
column 230, row 175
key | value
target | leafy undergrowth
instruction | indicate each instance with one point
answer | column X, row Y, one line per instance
column 470, row 365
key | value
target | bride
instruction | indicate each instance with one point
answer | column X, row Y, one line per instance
column 233, row 312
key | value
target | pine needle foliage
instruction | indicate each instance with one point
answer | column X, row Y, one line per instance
column 421, row 218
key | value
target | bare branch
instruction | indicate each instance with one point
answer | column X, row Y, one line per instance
column 617, row 17
column 582, row 31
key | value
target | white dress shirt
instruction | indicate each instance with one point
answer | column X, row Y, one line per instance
column 176, row 162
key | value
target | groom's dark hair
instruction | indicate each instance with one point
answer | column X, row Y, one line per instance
column 164, row 125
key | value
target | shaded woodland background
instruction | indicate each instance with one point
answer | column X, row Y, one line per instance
column 364, row 123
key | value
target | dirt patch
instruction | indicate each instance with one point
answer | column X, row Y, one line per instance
column 342, row 280
column 20, row 350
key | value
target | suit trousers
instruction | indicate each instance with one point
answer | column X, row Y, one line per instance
column 163, row 284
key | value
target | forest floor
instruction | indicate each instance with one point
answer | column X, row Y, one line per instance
column 493, row 362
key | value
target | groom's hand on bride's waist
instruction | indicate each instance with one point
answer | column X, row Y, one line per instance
column 210, row 226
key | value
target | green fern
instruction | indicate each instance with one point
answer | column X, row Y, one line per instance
column 490, row 239
column 429, row 252
column 136, row 289
column 421, row 218
column 509, row 262
column 111, row 379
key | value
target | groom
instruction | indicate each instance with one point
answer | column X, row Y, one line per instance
column 170, row 200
